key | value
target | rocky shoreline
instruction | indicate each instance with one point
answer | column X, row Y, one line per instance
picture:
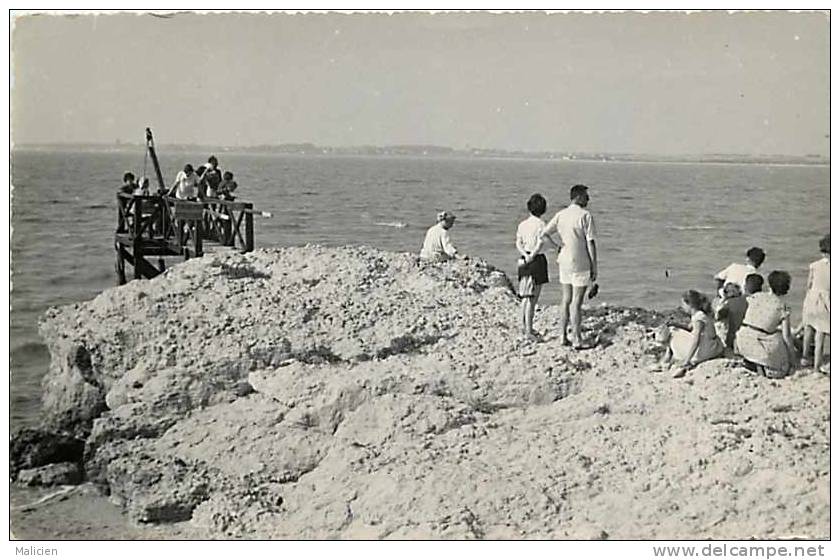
column 317, row 392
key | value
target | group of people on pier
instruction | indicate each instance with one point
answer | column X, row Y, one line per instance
column 744, row 319
column 208, row 182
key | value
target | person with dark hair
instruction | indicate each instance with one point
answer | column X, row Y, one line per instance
column 737, row 272
column 227, row 186
column 211, row 177
column 690, row 346
column 816, row 309
column 764, row 339
column 753, row 284
column 577, row 261
column 185, row 186
column 533, row 266
column 729, row 312
column 129, row 185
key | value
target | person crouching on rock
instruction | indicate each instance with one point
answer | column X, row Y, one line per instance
column 690, row 346
column 437, row 246
column 764, row 339
column 532, row 264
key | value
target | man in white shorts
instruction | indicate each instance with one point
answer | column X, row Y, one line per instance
column 578, row 260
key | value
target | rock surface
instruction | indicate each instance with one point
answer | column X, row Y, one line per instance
column 348, row 392
column 30, row 448
column 55, row 474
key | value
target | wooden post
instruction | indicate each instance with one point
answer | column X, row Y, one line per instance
column 197, row 235
column 227, row 228
column 119, row 265
column 136, row 236
column 120, row 212
column 249, row 227
column 179, row 232
column 150, row 146
column 164, row 221
column 137, row 227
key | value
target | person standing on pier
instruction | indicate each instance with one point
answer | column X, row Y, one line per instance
column 129, row 184
column 577, row 261
column 211, row 177
column 186, row 184
column 227, row 186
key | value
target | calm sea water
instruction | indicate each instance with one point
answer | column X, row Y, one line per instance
column 692, row 219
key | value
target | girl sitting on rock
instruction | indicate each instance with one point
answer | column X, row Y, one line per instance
column 687, row 347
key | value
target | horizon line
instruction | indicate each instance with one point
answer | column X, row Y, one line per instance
column 443, row 148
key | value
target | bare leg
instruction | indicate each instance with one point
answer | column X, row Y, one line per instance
column 528, row 315
column 806, row 344
column 564, row 311
column 574, row 314
column 818, row 350
column 523, row 315
column 532, row 307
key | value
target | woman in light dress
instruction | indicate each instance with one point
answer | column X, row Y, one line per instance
column 687, row 347
column 816, row 309
column 764, row 339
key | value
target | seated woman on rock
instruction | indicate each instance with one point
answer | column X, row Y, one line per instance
column 690, row 346
column 764, row 339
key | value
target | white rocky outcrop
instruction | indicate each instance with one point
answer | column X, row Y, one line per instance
column 318, row 392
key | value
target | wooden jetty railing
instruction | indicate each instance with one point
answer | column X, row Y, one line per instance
column 162, row 226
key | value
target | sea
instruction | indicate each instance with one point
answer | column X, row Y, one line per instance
column 662, row 228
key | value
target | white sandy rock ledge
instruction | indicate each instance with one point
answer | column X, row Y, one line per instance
column 318, row 392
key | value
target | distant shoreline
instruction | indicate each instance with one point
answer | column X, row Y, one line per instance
column 438, row 152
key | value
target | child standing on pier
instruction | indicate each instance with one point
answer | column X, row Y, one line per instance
column 227, row 186
column 128, row 185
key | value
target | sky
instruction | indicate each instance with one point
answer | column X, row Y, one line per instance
column 663, row 83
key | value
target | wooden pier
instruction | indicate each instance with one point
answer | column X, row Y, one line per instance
column 160, row 226
column 152, row 227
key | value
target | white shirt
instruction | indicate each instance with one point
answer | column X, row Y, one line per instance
column 736, row 273
column 529, row 233
column 820, row 275
column 437, row 244
column 576, row 228
column 186, row 185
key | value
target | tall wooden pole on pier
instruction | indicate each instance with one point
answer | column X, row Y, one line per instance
column 150, row 146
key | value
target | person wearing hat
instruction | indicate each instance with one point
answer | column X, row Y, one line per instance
column 437, row 246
